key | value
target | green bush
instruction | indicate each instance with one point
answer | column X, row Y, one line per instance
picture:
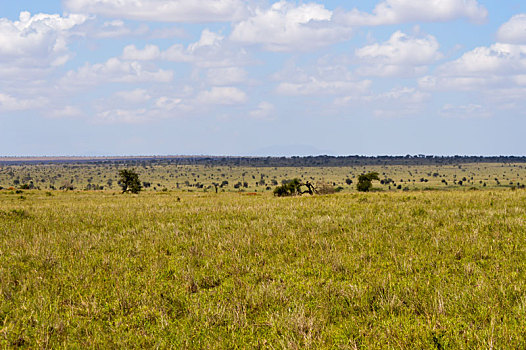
column 289, row 188
column 129, row 181
column 365, row 181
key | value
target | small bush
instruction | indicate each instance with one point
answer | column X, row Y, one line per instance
column 325, row 188
column 289, row 188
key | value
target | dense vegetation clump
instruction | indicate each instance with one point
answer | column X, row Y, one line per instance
column 365, row 181
column 129, row 181
column 288, row 188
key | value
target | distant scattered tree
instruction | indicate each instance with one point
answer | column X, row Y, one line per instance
column 365, row 181
column 129, row 181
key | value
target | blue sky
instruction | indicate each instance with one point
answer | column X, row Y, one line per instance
column 233, row 77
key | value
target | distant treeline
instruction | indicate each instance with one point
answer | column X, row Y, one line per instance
column 295, row 161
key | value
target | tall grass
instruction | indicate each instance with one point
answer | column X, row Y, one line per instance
column 377, row 270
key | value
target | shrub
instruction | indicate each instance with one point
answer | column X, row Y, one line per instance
column 365, row 181
column 325, row 188
column 129, row 181
column 289, row 188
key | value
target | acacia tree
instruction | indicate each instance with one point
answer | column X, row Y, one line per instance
column 365, row 181
column 293, row 188
column 129, row 181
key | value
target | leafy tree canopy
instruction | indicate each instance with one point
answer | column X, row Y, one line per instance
column 365, row 181
column 129, row 181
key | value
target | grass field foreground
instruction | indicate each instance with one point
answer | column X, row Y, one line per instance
column 202, row 270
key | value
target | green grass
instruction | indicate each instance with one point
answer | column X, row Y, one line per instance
column 398, row 270
column 200, row 178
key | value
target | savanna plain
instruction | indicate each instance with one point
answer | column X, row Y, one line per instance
column 192, row 262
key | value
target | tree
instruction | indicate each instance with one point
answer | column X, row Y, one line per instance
column 129, row 181
column 289, row 188
column 365, row 181
column 293, row 188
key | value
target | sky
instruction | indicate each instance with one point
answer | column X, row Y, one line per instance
column 255, row 77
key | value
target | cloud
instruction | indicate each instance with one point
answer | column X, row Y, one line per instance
column 494, row 74
column 502, row 59
column 40, row 40
column 400, row 55
column 319, row 80
column 154, row 106
column 116, row 71
column 134, row 96
column 226, row 76
column 210, row 51
column 150, row 52
column 113, row 29
column 222, row 96
column 398, row 102
column 513, row 31
column 264, row 111
column 196, row 11
column 124, row 116
column 465, row 111
column 499, row 65
column 287, row 27
column 10, row 103
column 402, row 11
column 168, row 103
column 167, row 33
column 315, row 86
column 64, row 112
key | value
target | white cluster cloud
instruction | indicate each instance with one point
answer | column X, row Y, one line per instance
column 400, row 55
column 288, row 27
column 397, row 102
column 126, row 116
column 502, row 59
column 222, row 96
column 114, row 29
column 226, row 76
column 401, row 11
column 264, row 111
column 319, row 80
column 150, row 52
column 142, row 106
column 465, row 111
column 513, row 31
column 10, row 103
column 495, row 73
column 197, row 11
column 116, row 71
column 495, row 66
column 210, row 51
column 35, row 48
column 136, row 96
column 39, row 40
column 64, row 112
column 318, row 86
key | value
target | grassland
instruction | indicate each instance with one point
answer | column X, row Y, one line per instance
column 176, row 269
column 200, row 178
